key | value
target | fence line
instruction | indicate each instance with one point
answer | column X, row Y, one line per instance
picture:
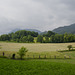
column 39, row 56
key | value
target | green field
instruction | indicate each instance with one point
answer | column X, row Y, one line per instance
column 48, row 66
column 35, row 67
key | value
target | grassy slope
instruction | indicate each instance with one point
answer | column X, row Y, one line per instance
column 35, row 67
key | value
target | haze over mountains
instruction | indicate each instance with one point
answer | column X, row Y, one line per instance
column 35, row 30
column 68, row 29
column 59, row 30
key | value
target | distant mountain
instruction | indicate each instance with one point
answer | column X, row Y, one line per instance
column 68, row 29
column 45, row 32
column 35, row 30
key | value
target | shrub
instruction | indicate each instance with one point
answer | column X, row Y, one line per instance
column 22, row 52
column 69, row 47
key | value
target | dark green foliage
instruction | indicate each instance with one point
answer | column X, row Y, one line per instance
column 40, row 38
column 19, row 36
column 69, row 47
column 4, row 37
column 35, row 67
column 30, row 38
column 56, row 38
column 59, row 38
column 24, row 39
column 22, row 33
column 27, row 39
column 48, row 34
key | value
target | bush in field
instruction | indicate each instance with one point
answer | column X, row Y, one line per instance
column 69, row 47
column 22, row 52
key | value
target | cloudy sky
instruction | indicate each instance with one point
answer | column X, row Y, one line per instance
column 36, row 14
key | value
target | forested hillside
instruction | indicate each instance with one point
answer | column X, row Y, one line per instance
column 68, row 29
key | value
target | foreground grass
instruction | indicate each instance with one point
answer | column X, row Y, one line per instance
column 35, row 67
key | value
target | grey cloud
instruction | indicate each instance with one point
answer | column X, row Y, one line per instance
column 35, row 14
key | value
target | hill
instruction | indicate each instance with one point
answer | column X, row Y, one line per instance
column 68, row 29
column 35, row 30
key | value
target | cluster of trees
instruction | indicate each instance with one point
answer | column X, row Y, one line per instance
column 57, row 38
column 48, row 34
column 19, row 36
column 62, row 38
column 28, row 36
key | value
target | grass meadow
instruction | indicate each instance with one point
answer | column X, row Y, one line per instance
column 35, row 47
column 34, row 66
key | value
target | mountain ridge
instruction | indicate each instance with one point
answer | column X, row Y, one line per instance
column 68, row 29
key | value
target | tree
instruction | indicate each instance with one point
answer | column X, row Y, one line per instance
column 69, row 47
column 22, row 52
column 46, row 39
column 25, row 39
column 52, row 39
column 40, row 38
column 4, row 37
column 48, row 34
column 30, row 38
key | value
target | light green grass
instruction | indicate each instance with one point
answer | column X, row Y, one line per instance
column 35, row 47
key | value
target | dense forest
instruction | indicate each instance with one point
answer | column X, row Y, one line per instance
column 19, row 36
column 31, row 36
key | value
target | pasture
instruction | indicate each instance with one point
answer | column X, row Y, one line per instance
column 35, row 47
column 47, row 66
column 48, row 50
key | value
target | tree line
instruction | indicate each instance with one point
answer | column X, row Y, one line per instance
column 29, row 36
column 19, row 36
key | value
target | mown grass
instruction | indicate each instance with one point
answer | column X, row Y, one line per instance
column 35, row 67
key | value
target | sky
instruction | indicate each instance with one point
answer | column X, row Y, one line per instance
column 42, row 15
